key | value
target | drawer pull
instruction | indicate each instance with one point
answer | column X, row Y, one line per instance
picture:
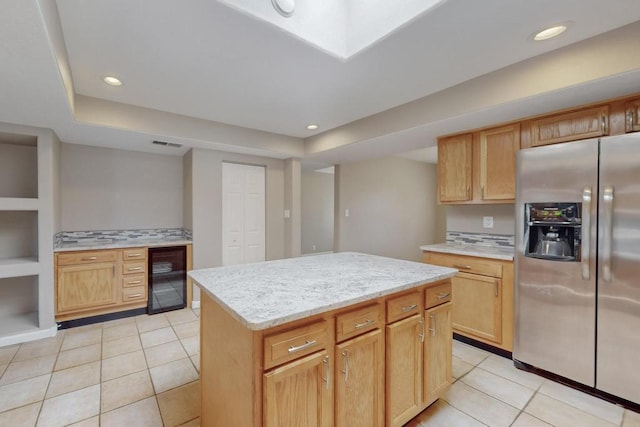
column 464, row 267
column 307, row 344
column 365, row 323
column 134, row 255
column 408, row 308
column 135, row 295
column 443, row 295
column 134, row 282
column 89, row 258
column 134, row 268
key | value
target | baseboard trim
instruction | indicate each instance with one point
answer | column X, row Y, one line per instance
column 195, row 304
column 27, row 336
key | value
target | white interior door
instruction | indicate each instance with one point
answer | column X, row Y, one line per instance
column 243, row 214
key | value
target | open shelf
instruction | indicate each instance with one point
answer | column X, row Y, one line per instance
column 18, row 267
column 18, row 204
column 18, row 323
column 18, row 166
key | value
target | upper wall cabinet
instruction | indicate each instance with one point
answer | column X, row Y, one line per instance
column 587, row 123
column 478, row 167
column 632, row 115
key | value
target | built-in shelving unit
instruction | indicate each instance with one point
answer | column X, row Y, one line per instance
column 28, row 165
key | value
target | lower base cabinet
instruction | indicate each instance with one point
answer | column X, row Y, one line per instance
column 437, row 346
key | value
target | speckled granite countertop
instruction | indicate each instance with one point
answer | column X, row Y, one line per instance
column 266, row 294
column 495, row 252
column 117, row 244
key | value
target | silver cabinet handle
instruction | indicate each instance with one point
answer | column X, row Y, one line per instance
column 604, row 125
column 307, row 344
column 345, row 371
column 630, row 121
column 89, row 258
column 443, row 295
column 433, row 330
column 421, row 334
column 135, row 295
column 134, row 255
column 409, row 308
column 363, row 324
column 463, row 267
column 134, row 282
column 327, row 372
column 586, row 233
column 495, row 287
column 607, row 200
column 134, row 268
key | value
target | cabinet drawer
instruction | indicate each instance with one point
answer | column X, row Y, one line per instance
column 86, row 257
column 437, row 295
column 467, row 264
column 134, row 254
column 136, row 293
column 358, row 321
column 404, row 306
column 134, row 280
column 134, row 267
column 292, row 344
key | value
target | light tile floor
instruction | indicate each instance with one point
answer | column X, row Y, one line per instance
column 143, row 371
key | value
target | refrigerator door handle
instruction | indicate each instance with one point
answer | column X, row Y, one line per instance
column 586, row 232
column 607, row 199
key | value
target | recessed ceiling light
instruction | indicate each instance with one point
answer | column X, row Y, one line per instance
column 284, row 7
column 551, row 32
column 112, row 81
column 312, row 127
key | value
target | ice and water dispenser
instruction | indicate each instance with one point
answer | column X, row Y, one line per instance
column 553, row 231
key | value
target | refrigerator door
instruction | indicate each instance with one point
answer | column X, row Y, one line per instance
column 619, row 268
column 554, row 305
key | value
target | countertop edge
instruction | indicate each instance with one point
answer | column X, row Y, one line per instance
column 474, row 251
column 258, row 326
column 122, row 245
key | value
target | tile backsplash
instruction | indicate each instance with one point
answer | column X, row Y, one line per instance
column 480, row 239
column 108, row 236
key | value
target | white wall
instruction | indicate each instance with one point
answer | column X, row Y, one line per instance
column 317, row 197
column 105, row 189
column 392, row 207
column 468, row 218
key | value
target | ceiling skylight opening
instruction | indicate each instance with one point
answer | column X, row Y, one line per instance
column 551, row 32
column 112, row 81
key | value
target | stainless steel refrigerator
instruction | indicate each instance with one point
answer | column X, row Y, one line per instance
column 577, row 294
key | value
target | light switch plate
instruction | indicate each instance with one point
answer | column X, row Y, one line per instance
column 287, row 213
column 487, row 221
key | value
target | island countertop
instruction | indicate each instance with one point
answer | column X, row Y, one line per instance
column 266, row 294
column 494, row 252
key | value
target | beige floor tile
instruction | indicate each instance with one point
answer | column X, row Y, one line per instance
column 468, row 353
column 119, row 331
column 71, row 407
column 2, row 369
column 590, row 404
column 23, row 392
column 173, row 374
column 144, row 413
column 157, row 337
column 441, row 414
column 78, row 356
column 501, row 388
column 81, row 338
column 180, row 405
column 89, row 422
column 631, row 419
column 121, row 346
column 196, row 361
column 164, row 353
column 526, row 420
column 193, row 423
column 72, row 379
column 125, row 390
column 189, row 329
column 191, row 345
column 39, row 348
column 181, row 316
column 480, row 406
column 18, row 371
column 459, row 367
column 122, row 365
column 560, row 414
column 23, row 416
column 148, row 323
column 7, row 353
column 505, row 368
column 118, row 322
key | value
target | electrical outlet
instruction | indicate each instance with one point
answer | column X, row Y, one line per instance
column 287, row 213
column 313, row 248
column 487, row 221
column 346, row 212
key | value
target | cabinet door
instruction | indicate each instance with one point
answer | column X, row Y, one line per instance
column 404, row 361
column 572, row 126
column 455, row 157
column 498, row 148
column 82, row 287
column 632, row 116
column 359, row 398
column 437, row 351
column 477, row 306
column 299, row 393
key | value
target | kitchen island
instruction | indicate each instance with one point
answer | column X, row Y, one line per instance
column 335, row 339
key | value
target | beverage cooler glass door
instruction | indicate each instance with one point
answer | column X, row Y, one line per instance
column 167, row 279
column 555, row 300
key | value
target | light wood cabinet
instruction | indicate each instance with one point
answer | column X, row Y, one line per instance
column 478, row 167
column 298, row 393
column 86, row 286
column 632, row 115
column 482, row 297
column 570, row 126
column 437, row 348
column 359, row 378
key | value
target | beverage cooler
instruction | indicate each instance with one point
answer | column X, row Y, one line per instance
column 167, row 279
